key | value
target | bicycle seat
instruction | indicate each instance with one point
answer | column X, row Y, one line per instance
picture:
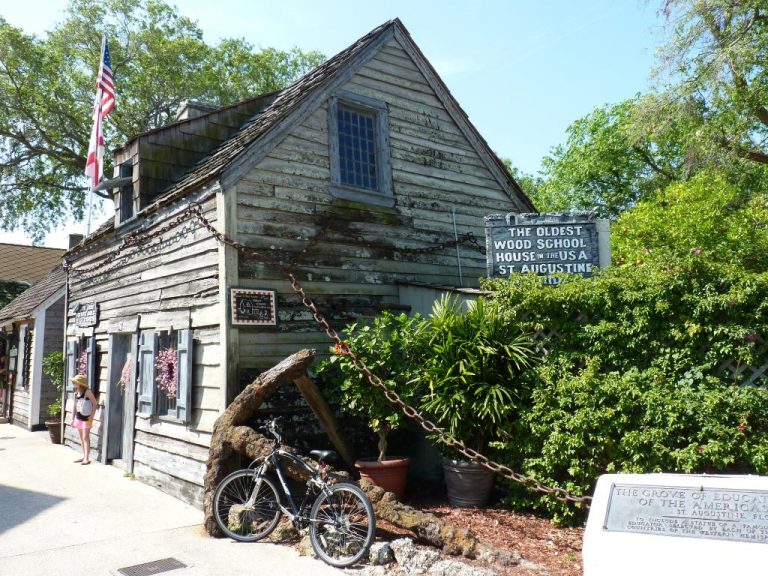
column 323, row 455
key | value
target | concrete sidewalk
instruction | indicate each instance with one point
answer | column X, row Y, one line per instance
column 58, row 518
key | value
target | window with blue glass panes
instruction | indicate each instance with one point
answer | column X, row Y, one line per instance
column 357, row 148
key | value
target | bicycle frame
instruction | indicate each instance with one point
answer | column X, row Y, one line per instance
column 273, row 460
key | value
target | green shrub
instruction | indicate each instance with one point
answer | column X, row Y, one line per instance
column 470, row 376
column 387, row 347
column 635, row 377
column 53, row 367
column 584, row 425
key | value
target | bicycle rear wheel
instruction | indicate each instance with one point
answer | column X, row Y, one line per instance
column 342, row 525
column 241, row 514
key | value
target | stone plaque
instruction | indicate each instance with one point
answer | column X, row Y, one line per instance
column 690, row 512
column 545, row 244
column 677, row 524
column 253, row 307
column 87, row 315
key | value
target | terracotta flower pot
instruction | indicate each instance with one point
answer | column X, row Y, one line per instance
column 54, row 430
column 391, row 474
column 469, row 484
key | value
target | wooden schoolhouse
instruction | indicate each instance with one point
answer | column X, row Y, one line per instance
column 364, row 179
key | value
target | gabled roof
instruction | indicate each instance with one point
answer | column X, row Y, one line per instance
column 264, row 130
column 23, row 305
column 27, row 263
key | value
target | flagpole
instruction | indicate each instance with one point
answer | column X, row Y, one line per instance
column 98, row 114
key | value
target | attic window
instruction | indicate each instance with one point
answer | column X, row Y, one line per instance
column 126, row 193
column 359, row 147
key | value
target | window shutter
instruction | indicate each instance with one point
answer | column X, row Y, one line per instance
column 184, row 375
column 147, row 350
column 71, row 361
column 93, row 382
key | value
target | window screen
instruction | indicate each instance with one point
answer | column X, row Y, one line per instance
column 357, row 148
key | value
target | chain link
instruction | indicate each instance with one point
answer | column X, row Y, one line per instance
column 194, row 210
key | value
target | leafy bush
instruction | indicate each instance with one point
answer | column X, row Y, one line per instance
column 388, row 349
column 584, row 425
column 53, row 367
column 471, row 366
column 706, row 215
column 635, row 378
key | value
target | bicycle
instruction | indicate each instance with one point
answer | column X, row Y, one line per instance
column 247, row 506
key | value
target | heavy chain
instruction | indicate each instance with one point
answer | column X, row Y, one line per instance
column 138, row 238
column 194, row 210
column 392, row 396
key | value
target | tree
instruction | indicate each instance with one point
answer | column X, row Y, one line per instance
column 717, row 57
column 606, row 166
column 159, row 58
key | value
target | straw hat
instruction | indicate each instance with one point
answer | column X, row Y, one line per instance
column 81, row 380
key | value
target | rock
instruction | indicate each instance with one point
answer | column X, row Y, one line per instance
column 284, row 532
column 381, row 553
column 411, row 558
column 305, row 547
column 454, row 568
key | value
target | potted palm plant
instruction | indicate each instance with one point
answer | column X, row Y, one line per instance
column 472, row 361
column 384, row 346
column 53, row 368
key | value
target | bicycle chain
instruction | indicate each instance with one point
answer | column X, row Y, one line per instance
column 344, row 349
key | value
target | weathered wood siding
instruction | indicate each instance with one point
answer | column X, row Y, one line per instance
column 169, row 283
column 349, row 255
column 22, row 398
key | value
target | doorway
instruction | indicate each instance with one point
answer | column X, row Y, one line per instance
column 121, row 401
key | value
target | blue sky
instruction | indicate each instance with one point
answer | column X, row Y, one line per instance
column 523, row 70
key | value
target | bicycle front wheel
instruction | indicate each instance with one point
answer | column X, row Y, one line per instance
column 244, row 511
column 342, row 525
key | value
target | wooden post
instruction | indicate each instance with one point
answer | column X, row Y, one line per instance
column 327, row 420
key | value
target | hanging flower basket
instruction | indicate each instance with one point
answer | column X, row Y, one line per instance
column 82, row 363
column 166, row 364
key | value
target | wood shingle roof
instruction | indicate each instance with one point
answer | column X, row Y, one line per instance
column 23, row 305
column 27, row 263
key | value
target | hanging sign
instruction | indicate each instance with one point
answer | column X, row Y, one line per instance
column 545, row 244
column 87, row 315
column 253, row 307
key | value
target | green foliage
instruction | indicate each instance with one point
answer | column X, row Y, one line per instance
column 159, row 59
column 586, row 424
column 707, row 214
column 715, row 65
column 388, row 348
column 470, row 369
column 634, row 378
column 53, row 368
column 604, row 166
column 9, row 289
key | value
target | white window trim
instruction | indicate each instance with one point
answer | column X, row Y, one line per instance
column 384, row 195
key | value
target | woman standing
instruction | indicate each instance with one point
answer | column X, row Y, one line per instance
column 82, row 417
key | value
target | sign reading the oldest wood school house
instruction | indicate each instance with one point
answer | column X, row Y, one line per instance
column 548, row 244
column 356, row 178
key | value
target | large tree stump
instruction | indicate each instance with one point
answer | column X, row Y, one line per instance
column 231, row 435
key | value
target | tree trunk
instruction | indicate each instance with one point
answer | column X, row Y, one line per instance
column 232, row 437
column 431, row 530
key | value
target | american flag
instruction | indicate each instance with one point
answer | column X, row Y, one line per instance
column 102, row 106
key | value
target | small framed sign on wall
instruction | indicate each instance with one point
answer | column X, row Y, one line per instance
column 253, row 307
